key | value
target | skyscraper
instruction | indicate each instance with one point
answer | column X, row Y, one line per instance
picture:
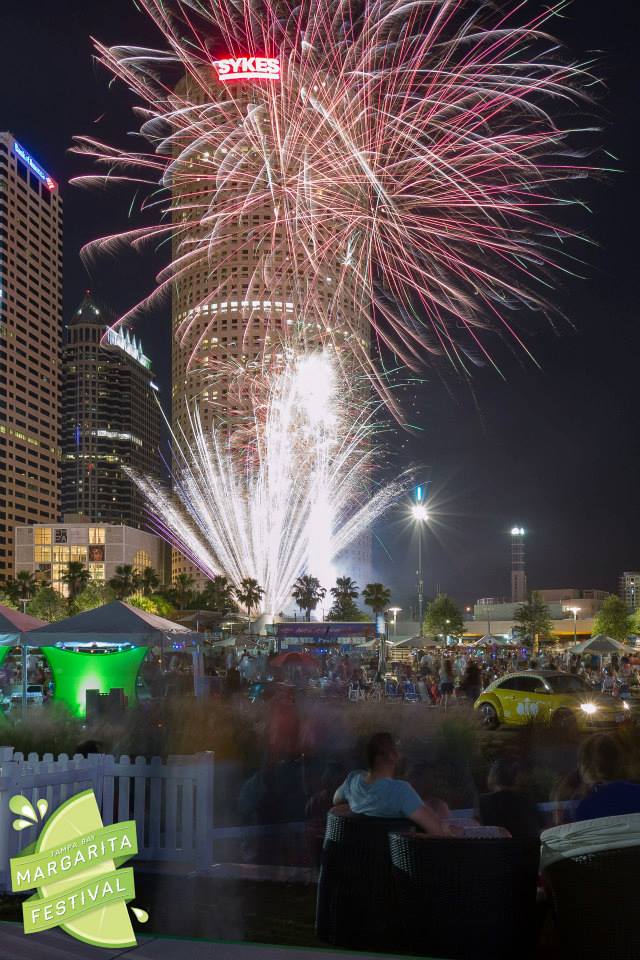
column 30, row 331
column 247, row 304
column 110, row 419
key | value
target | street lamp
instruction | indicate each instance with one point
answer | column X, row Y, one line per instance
column 420, row 515
column 395, row 611
column 575, row 611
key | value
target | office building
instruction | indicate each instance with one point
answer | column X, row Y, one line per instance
column 239, row 309
column 44, row 550
column 30, row 332
column 630, row 589
column 110, row 419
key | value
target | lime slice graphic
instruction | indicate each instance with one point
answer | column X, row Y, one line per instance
column 108, row 926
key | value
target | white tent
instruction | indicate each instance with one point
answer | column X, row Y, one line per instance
column 601, row 644
column 489, row 640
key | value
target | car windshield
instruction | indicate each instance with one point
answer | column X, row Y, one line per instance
column 565, row 683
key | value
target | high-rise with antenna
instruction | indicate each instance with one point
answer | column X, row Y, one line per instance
column 518, row 571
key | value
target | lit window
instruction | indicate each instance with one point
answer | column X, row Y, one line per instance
column 141, row 560
column 43, row 535
column 96, row 535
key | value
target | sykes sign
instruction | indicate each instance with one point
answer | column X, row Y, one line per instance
column 247, row 68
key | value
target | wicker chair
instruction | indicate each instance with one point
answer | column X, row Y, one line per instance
column 594, row 899
column 466, row 898
column 355, row 907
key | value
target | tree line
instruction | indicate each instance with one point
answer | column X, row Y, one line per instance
column 143, row 589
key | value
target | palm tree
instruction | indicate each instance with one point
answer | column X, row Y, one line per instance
column 308, row 593
column 149, row 581
column 26, row 584
column 11, row 590
column 183, row 589
column 376, row 596
column 345, row 594
column 125, row 581
column 219, row 596
column 249, row 594
column 76, row 577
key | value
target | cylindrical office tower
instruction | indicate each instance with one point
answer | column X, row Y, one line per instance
column 237, row 311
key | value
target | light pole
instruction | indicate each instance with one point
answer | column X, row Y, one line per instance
column 420, row 515
column 575, row 611
column 395, row 611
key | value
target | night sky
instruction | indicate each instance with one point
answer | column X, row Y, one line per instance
column 554, row 449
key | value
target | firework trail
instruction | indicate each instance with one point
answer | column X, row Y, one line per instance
column 291, row 500
column 410, row 156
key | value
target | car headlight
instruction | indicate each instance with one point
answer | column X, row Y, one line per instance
column 625, row 705
column 588, row 708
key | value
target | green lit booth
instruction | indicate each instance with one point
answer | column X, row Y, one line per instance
column 103, row 649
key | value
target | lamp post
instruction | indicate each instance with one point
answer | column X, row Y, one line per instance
column 420, row 515
column 395, row 611
column 575, row 611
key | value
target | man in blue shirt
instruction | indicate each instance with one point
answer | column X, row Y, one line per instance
column 376, row 793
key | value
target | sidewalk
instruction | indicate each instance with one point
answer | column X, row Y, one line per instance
column 55, row 945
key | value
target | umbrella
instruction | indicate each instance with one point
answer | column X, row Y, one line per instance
column 602, row 644
column 286, row 659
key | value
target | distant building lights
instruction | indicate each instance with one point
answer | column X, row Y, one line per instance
column 124, row 340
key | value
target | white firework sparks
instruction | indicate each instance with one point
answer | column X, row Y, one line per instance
column 291, row 500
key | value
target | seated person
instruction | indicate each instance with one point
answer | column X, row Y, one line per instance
column 606, row 790
column 505, row 806
column 376, row 793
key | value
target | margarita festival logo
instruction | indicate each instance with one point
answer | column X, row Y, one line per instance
column 75, row 867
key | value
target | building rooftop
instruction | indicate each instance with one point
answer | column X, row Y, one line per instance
column 92, row 310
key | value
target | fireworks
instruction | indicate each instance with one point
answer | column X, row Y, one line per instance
column 408, row 154
column 290, row 500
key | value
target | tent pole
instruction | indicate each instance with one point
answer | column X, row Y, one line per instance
column 24, row 649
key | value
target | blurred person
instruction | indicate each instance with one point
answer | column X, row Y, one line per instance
column 471, row 684
column 609, row 681
column 603, row 771
column 507, row 806
column 446, row 681
column 375, row 792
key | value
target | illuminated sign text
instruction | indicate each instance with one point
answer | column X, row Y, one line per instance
column 33, row 166
column 247, row 68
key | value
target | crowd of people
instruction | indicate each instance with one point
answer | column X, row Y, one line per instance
column 602, row 785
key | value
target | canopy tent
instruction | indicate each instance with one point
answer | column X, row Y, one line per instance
column 419, row 642
column 489, row 640
column 13, row 624
column 601, row 644
column 113, row 623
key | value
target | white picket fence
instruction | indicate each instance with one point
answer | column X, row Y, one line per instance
column 172, row 802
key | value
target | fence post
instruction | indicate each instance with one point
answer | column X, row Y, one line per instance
column 204, row 809
column 9, row 771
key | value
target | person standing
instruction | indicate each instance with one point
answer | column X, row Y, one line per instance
column 446, row 681
column 472, row 682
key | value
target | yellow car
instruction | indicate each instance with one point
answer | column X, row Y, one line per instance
column 548, row 696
